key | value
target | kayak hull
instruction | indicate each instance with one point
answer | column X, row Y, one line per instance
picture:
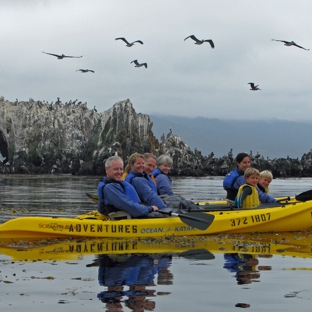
column 294, row 216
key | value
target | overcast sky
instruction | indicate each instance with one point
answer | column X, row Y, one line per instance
column 182, row 78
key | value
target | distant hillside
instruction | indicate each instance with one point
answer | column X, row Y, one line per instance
column 272, row 138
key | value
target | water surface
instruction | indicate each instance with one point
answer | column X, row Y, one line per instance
column 267, row 272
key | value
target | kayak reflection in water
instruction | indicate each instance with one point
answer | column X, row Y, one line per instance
column 136, row 271
column 244, row 265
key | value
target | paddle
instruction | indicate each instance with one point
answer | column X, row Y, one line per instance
column 94, row 197
column 211, row 208
column 198, row 220
column 304, row 196
column 197, row 254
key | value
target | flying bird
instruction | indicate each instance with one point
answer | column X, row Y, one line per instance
column 137, row 64
column 200, row 41
column 128, row 44
column 85, row 70
column 60, row 57
column 253, row 87
column 291, row 43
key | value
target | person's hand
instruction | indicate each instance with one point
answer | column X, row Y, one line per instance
column 155, row 208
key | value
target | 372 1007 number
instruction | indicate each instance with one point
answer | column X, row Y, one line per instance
column 263, row 217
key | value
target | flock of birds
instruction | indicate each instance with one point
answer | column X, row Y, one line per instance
column 253, row 87
column 62, row 56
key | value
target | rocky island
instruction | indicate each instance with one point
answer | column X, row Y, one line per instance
column 38, row 137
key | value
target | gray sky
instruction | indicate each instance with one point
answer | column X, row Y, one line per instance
column 182, row 78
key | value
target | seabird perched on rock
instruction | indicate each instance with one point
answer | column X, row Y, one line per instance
column 137, row 64
column 60, row 57
column 128, row 44
column 85, row 70
column 200, row 41
column 4, row 153
column 169, row 133
column 2, row 158
column 291, row 43
column 253, row 87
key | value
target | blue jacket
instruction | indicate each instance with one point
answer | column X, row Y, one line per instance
column 132, row 174
column 138, row 269
column 232, row 181
column 122, row 196
column 164, row 183
column 265, row 198
column 146, row 189
column 239, row 181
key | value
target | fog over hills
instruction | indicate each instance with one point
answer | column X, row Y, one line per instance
column 272, row 138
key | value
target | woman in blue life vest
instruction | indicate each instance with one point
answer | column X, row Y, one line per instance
column 234, row 179
column 164, row 182
column 142, row 182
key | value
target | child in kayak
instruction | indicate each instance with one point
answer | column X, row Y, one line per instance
column 265, row 178
column 249, row 195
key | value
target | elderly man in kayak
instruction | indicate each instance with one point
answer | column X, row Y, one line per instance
column 115, row 194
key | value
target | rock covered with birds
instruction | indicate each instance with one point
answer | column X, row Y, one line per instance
column 41, row 137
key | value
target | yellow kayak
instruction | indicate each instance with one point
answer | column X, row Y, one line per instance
column 291, row 216
column 286, row 244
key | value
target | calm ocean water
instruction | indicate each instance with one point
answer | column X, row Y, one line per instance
column 217, row 273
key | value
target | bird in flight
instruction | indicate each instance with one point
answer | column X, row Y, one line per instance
column 85, row 70
column 137, row 64
column 60, row 57
column 128, row 44
column 253, row 87
column 291, row 43
column 200, row 41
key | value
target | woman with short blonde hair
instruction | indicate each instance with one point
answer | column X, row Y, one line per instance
column 164, row 182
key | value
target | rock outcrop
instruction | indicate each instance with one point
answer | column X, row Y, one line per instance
column 40, row 137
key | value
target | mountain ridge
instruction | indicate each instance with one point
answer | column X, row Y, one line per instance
column 272, row 138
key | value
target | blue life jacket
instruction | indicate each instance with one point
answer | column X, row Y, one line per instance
column 229, row 179
column 156, row 172
column 132, row 175
column 104, row 206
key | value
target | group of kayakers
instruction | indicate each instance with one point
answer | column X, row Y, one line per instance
column 141, row 189
column 137, row 190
